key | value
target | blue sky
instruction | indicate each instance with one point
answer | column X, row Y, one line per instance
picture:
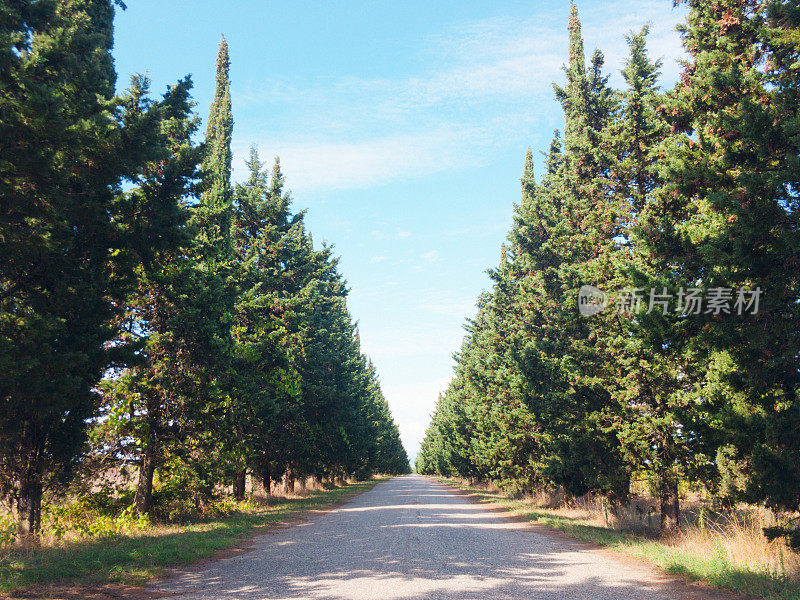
column 402, row 128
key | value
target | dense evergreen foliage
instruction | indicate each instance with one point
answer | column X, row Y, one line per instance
column 685, row 193
column 151, row 313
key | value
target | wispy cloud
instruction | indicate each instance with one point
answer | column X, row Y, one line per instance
column 485, row 83
column 429, row 256
column 389, row 344
column 446, row 302
column 328, row 164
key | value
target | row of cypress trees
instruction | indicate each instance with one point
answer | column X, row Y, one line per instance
column 692, row 188
column 151, row 312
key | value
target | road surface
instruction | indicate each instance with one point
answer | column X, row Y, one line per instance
column 414, row 538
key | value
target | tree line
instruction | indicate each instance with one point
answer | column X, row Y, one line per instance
column 152, row 313
column 655, row 198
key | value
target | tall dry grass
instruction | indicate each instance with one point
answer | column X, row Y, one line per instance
column 735, row 536
column 738, row 537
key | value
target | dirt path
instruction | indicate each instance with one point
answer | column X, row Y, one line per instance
column 412, row 537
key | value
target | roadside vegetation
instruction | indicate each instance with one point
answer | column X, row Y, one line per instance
column 726, row 550
column 90, row 542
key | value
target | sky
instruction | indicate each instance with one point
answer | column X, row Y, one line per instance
column 402, row 129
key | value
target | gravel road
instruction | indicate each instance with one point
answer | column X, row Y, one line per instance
column 411, row 537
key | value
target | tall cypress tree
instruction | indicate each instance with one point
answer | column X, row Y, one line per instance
column 732, row 201
column 543, row 414
column 144, row 406
column 661, row 424
column 215, row 211
column 208, row 312
column 67, row 145
column 585, row 233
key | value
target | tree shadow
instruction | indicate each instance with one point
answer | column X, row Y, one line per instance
column 410, row 538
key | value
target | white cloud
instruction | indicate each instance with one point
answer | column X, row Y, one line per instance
column 429, row 256
column 328, row 164
column 401, row 234
column 446, row 302
column 389, row 344
column 482, row 84
column 378, row 259
column 514, row 58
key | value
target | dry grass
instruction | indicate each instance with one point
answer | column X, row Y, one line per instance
column 736, row 536
column 101, row 513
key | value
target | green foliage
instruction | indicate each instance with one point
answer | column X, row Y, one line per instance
column 68, row 146
column 85, row 518
column 8, row 530
column 732, row 196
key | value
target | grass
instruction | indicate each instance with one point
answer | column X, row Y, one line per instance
column 717, row 558
column 134, row 558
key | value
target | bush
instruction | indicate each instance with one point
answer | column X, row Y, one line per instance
column 94, row 515
column 8, row 530
column 174, row 505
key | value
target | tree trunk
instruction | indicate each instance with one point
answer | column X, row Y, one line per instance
column 670, row 508
column 266, row 478
column 29, row 508
column 239, row 483
column 143, row 500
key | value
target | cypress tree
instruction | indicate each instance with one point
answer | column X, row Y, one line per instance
column 54, row 240
column 67, row 145
column 542, row 414
column 731, row 198
column 145, row 405
column 193, row 405
column 217, row 401
column 661, row 418
column 585, row 238
column 265, row 379
column 215, row 211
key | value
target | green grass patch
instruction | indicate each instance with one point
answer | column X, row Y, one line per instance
column 713, row 570
column 135, row 558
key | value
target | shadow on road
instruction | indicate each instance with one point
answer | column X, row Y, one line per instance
column 413, row 538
